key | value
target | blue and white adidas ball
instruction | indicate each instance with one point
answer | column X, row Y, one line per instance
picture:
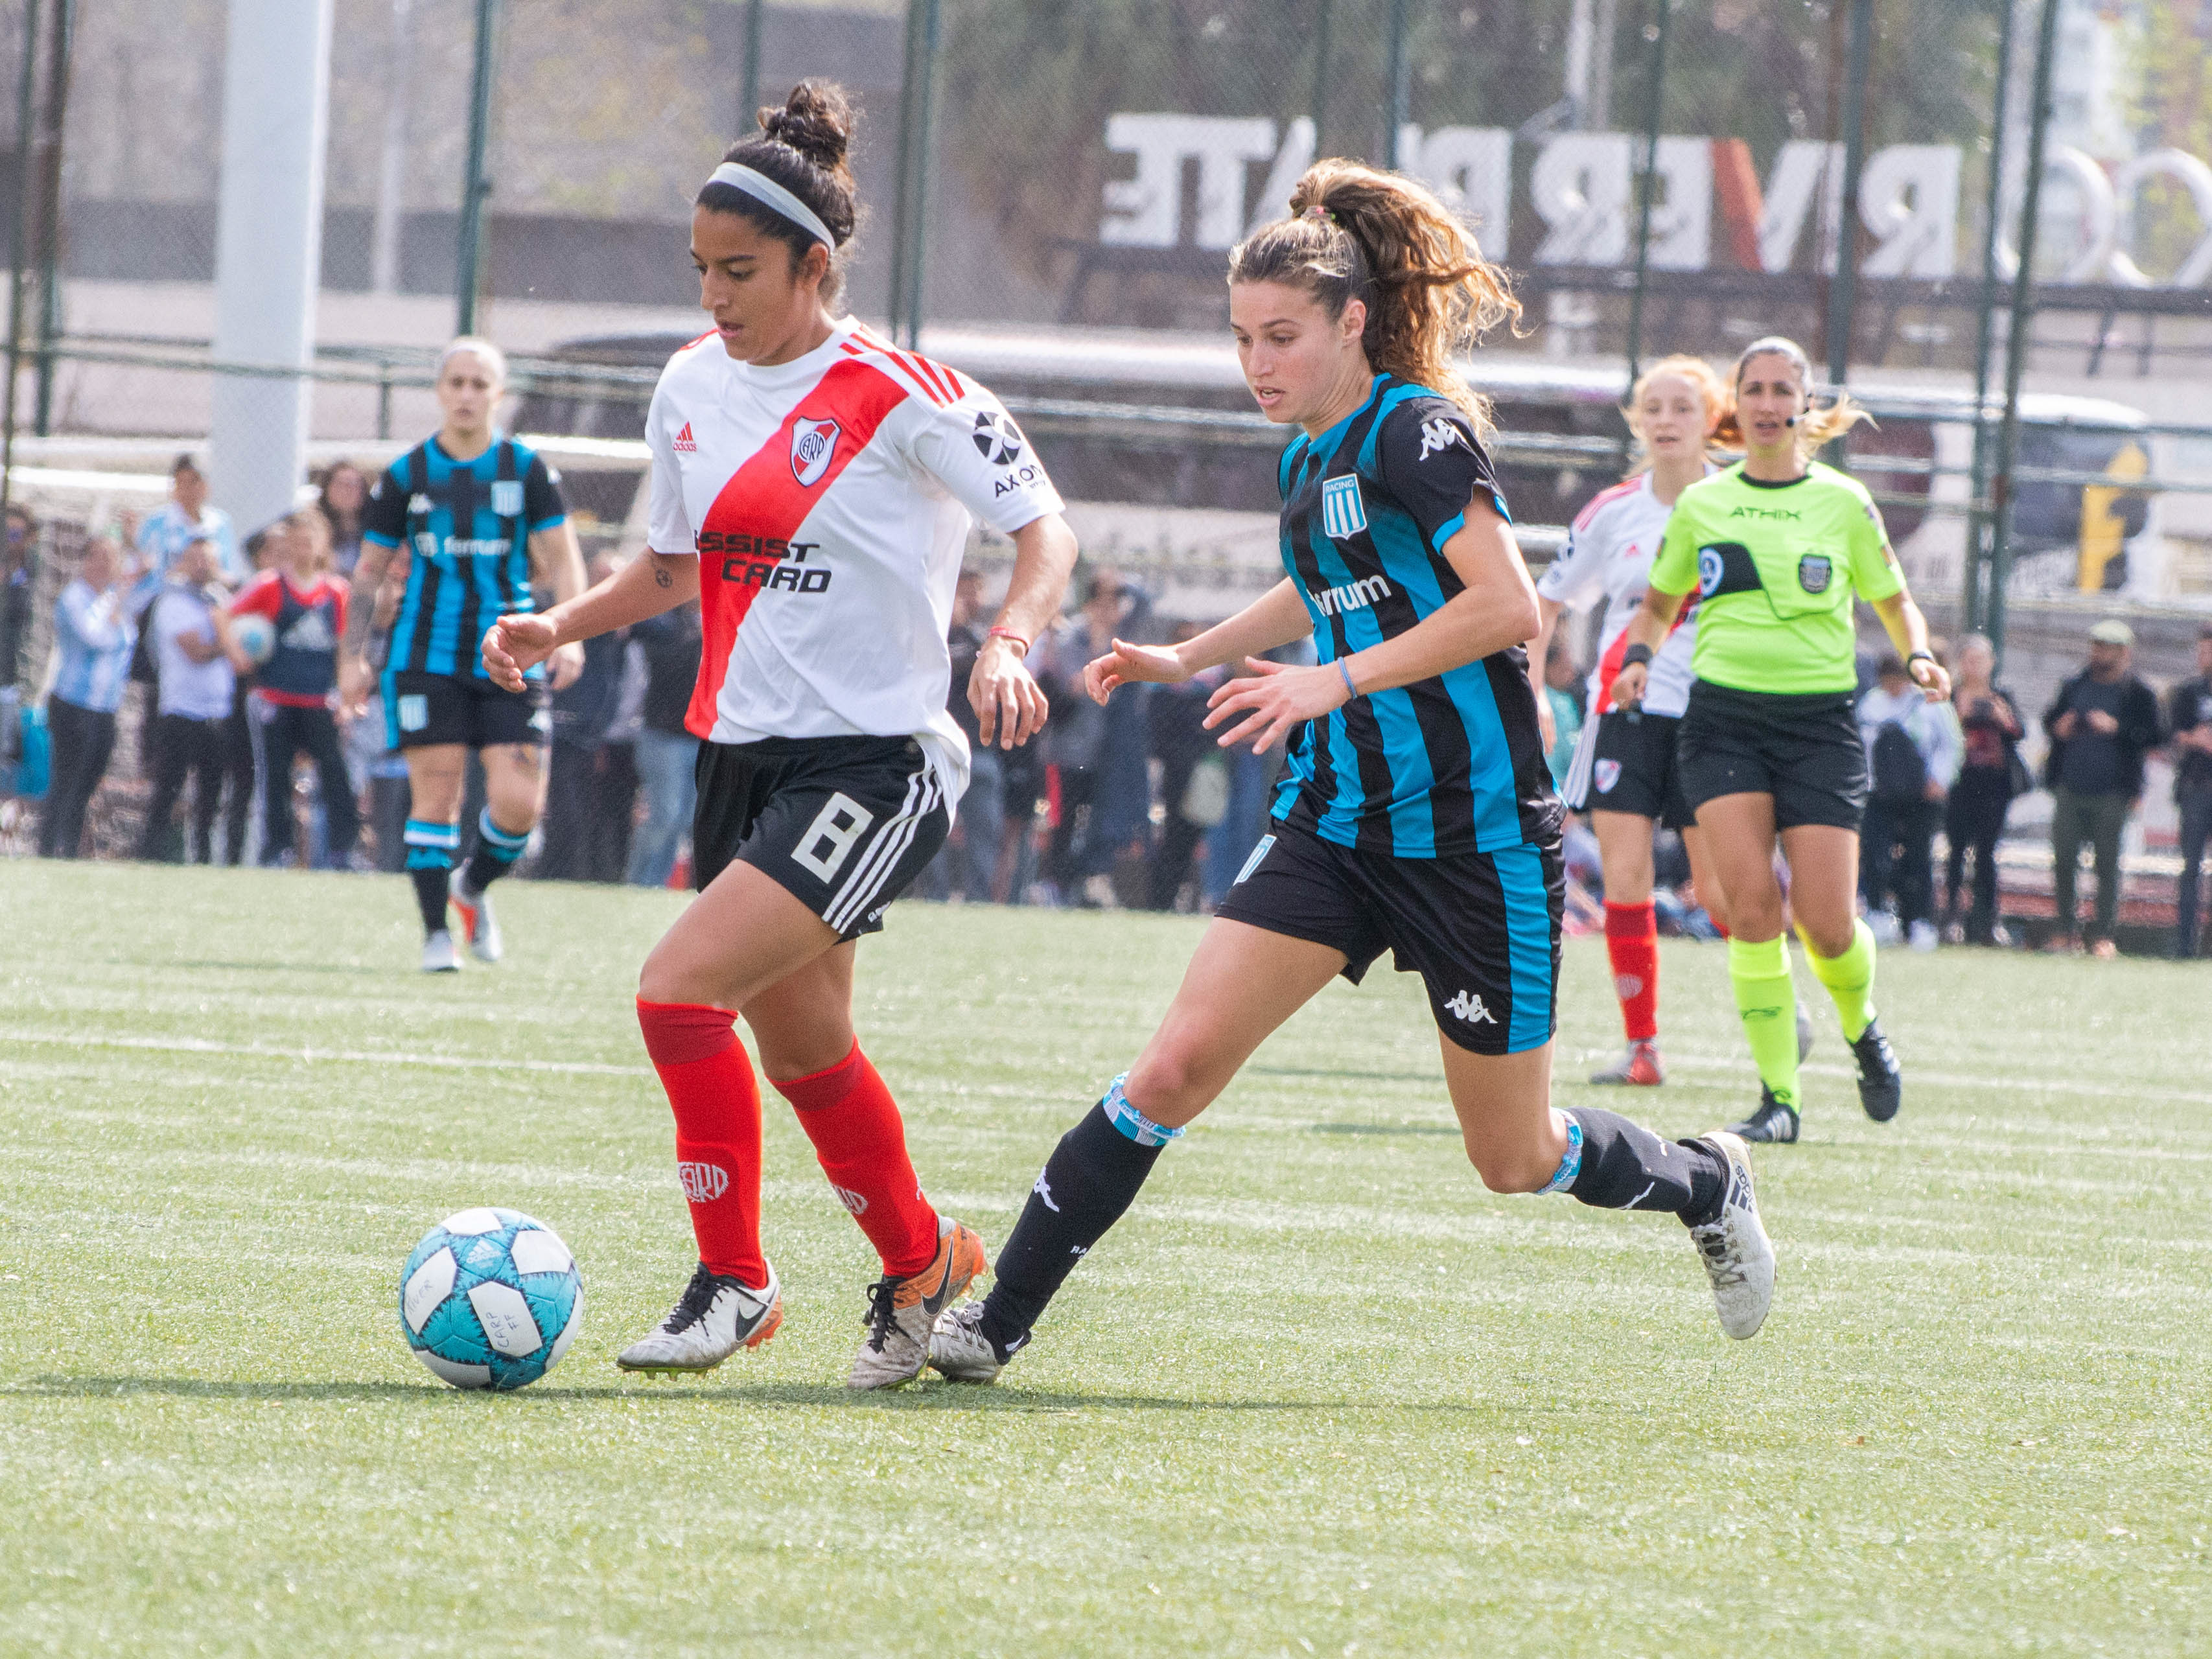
column 490, row 1299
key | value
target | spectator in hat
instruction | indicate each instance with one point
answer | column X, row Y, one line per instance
column 186, row 517
column 1912, row 760
column 2101, row 724
column 2189, row 708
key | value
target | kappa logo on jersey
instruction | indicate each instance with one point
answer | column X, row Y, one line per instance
column 1352, row 596
column 813, row 447
column 507, row 498
column 1440, row 433
column 997, row 438
column 1469, row 1007
column 419, row 502
column 703, row 1182
column 1343, row 515
column 1606, row 773
column 1043, row 1190
column 685, row 444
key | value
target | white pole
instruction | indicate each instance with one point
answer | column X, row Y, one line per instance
column 391, row 174
column 268, row 251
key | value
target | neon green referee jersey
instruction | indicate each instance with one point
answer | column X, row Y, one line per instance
column 1776, row 568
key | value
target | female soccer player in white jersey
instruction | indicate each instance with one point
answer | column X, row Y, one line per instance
column 1416, row 815
column 480, row 518
column 812, row 487
column 1622, row 771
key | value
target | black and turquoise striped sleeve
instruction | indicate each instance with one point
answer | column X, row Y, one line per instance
column 1431, row 462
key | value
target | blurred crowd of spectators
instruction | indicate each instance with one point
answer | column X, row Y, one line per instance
column 238, row 757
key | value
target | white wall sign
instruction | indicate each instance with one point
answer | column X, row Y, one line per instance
column 1582, row 187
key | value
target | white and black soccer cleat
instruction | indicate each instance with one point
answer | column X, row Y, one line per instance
column 1881, row 1080
column 1773, row 1123
column 1738, row 1256
column 902, row 1311
column 438, row 956
column 478, row 920
column 715, row 1316
column 959, row 1349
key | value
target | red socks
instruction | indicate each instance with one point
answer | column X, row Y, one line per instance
column 1632, row 941
column 854, row 1125
column 710, row 1084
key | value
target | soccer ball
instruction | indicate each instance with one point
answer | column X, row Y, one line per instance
column 490, row 1299
column 256, row 635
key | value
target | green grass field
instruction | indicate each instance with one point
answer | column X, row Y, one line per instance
column 1320, row 1393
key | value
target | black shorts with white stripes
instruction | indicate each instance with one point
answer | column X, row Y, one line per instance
column 842, row 823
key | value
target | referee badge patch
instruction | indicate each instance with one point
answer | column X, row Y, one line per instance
column 1814, row 572
column 1605, row 774
column 1342, row 514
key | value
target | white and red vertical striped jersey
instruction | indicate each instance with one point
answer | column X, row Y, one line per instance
column 1609, row 550
column 828, row 500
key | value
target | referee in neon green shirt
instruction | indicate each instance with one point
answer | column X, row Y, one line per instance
column 1777, row 547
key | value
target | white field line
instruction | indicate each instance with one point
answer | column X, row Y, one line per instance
column 324, row 1056
column 1914, row 1077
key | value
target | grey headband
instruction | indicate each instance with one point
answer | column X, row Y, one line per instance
column 761, row 188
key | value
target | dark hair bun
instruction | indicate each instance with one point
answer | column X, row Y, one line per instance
column 817, row 121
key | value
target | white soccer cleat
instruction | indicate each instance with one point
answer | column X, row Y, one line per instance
column 477, row 921
column 959, row 1349
column 901, row 1311
column 715, row 1317
column 438, row 956
column 1739, row 1257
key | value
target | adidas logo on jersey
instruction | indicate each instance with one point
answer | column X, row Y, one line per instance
column 1439, row 434
column 1469, row 1007
column 311, row 633
column 1352, row 596
column 685, row 444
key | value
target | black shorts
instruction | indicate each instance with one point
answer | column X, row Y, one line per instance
column 1481, row 929
column 1634, row 768
column 422, row 708
column 843, row 825
column 1803, row 750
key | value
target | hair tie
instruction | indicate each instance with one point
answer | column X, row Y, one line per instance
column 1318, row 211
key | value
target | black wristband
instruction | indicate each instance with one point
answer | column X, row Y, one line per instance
column 1919, row 656
column 1634, row 654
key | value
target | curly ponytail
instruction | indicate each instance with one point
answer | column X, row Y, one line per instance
column 1362, row 234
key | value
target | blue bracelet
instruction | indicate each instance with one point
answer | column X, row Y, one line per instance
column 1345, row 673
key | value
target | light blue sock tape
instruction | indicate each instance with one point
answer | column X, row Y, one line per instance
column 1134, row 1123
column 503, row 847
column 1571, row 1164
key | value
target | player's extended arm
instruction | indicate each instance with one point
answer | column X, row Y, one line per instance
column 1908, row 631
column 1275, row 618
column 1009, row 706
column 556, row 560
column 1495, row 608
column 1540, row 654
column 646, row 586
column 354, row 671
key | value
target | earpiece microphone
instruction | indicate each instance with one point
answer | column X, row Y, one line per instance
column 1792, row 421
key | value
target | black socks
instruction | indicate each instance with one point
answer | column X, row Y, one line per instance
column 1627, row 1167
column 1091, row 1177
column 493, row 855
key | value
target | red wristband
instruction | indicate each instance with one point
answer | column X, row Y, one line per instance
column 1008, row 634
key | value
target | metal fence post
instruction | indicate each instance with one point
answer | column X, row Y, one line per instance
column 1843, row 294
column 53, row 126
column 474, row 186
column 2023, row 325
column 918, row 220
column 1321, row 73
column 1650, row 181
column 1978, row 516
column 903, row 210
column 25, row 87
column 1400, row 89
column 746, row 114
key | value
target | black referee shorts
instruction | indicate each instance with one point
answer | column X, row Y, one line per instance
column 1481, row 929
column 1803, row 750
column 843, row 825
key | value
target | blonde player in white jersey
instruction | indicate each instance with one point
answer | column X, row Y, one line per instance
column 813, row 488
column 1624, row 772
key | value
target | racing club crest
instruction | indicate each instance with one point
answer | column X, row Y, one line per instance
column 1606, row 773
column 813, row 443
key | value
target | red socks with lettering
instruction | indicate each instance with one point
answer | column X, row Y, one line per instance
column 860, row 1139
column 710, row 1084
column 1632, row 942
